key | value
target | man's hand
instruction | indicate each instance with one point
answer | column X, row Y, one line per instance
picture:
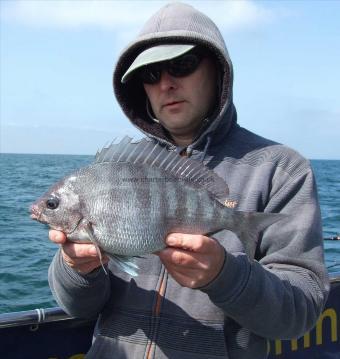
column 192, row 260
column 83, row 258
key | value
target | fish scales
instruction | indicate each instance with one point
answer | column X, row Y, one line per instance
column 170, row 196
column 134, row 194
column 128, row 220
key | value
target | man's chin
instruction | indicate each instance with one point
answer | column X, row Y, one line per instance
column 179, row 132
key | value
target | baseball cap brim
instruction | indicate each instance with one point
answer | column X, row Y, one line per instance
column 156, row 54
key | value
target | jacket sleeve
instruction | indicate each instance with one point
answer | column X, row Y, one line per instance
column 281, row 294
column 78, row 295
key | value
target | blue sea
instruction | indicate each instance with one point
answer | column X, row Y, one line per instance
column 26, row 252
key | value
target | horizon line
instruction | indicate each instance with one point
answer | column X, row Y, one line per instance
column 85, row 154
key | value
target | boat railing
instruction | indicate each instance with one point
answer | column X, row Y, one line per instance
column 56, row 314
column 33, row 317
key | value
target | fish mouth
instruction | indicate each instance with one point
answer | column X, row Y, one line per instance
column 35, row 213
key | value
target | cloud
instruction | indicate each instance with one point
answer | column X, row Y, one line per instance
column 111, row 15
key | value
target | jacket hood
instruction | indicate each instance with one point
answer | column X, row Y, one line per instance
column 180, row 24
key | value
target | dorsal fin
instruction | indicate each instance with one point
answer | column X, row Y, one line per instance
column 148, row 152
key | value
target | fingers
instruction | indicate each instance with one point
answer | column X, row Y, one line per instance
column 82, row 257
column 192, row 260
column 189, row 280
column 57, row 236
column 79, row 250
column 183, row 259
column 191, row 274
column 189, row 242
column 84, row 267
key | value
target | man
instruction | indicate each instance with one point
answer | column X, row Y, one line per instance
column 202, row 297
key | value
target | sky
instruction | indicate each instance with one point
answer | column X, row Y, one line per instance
column 57, row 59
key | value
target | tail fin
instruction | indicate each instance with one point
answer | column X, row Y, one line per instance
column 249, row 224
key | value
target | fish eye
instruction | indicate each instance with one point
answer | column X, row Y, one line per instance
column 52, row 203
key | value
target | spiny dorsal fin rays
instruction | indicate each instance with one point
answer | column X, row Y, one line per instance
column 177, row 164
column 104, row 154
column 107, row 154
column 130, row 157
column 122, row 147
column 192, row 169
column 135, row 153
column 172, row 160
column 163, row 152
column 169, row 155
column 182, row 169
column 103, row 151
column 124, row 151
column 144, row 149
column 148, row 152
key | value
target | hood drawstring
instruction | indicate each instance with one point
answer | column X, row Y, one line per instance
column 205, row 148
column 148, row 111
column 188, row 150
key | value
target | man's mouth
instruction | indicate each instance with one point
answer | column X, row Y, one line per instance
column 172, row 103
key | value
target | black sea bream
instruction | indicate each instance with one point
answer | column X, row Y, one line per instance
column 134, row 194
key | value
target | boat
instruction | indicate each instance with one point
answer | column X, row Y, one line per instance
column 52, row 334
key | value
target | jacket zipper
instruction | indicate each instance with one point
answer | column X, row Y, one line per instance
column 156, row 310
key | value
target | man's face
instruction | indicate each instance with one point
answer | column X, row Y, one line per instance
column 181, row 103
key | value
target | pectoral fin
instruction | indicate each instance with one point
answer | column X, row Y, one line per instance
column 124, row 263
column 89, row 230
column 85, row 234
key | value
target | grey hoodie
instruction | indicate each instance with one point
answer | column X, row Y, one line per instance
column 278, row 294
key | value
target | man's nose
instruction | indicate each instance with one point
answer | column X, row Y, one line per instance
column 167, row 81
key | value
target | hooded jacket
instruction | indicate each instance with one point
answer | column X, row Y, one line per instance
column 175, row 23
column 278, row 294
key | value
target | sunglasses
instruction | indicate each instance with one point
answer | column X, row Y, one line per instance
column 179, row 67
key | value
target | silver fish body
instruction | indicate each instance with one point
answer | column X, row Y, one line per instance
column 135, row 194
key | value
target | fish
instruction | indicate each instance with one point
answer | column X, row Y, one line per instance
column 134, row 194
